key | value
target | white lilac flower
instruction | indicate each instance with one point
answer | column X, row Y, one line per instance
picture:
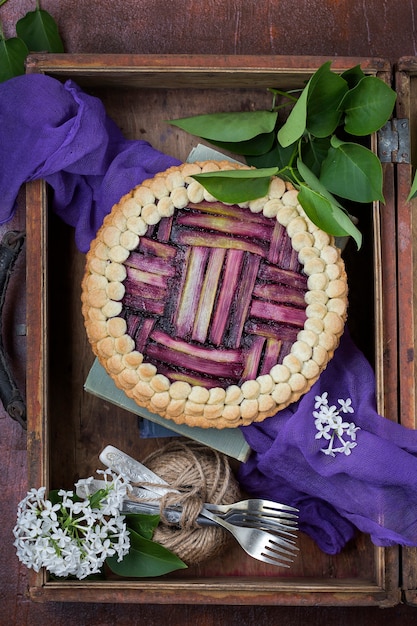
column 323, row 430
column 345, row 405
column 352, row 430
column 330, row 425
column 337, row 424
column 348, row 447
column 72, row 537
column 321, row 400
column 329, row 412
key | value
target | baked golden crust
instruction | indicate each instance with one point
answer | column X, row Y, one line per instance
column 103, row 290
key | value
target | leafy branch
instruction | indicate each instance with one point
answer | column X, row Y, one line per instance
column 318, row 147
column 37, row 31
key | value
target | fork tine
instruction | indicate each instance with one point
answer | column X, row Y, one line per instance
column 273, row 519
column 285, row 543
column 274, row 546
column 285, row 526
column 274, row 512
column 273, row 552
column 266, row 559
column 271, row 557
column 264, row 525
column 256, row 505
column 269, row 504
column 281, row 551
column 265, row 505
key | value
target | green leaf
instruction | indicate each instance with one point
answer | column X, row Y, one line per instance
column 54, row 497
column 314, row 183
column 352, row 171
column 251, row 147
column 276, row 157
column 353, row 76
column 314, row 152
column 142, row 524
column 295, row 125
column 146, row 558
column 316, row 110
column 97, row 497
column 327, row 216
column 413, row 190
column 39, row 31
column 367, row 106
column 325, row 93
column 229, row 127
column 237, row 185
column 13, row 53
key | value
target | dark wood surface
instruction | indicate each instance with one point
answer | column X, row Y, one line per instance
column 326, row 27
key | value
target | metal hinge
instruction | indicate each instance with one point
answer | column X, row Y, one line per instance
column 394, row 142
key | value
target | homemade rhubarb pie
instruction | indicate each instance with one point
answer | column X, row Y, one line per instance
column 211, row 314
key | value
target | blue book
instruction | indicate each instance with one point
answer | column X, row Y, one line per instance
column 230, row 441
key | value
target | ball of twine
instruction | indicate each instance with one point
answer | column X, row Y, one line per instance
column 201, row 475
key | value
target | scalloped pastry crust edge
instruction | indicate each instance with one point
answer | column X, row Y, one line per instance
column 255, row 400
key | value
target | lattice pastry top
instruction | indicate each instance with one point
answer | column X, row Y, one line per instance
column 210, row 314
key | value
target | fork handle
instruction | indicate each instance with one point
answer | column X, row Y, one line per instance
column 172, row 515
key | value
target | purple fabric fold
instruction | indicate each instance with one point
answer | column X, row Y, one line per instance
column 366, row 479
column 58, row 133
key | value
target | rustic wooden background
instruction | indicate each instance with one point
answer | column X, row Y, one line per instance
column 378, row 28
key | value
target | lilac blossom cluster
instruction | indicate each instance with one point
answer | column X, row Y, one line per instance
column 72, row 537
column 330, row 425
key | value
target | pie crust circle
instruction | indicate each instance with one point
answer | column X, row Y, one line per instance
column 260, row 384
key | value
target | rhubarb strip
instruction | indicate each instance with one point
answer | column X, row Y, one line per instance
column 288, row 257
column 193, row 378
column 271, row 355
column 221, row 356
column 243, row 299
column 231, row 277
column 277, row 332
column 208, row 294
column 143, row 333
column 253, row 359
column 194, row 238
column 193, row 361
column 230, row 225
column 164, row 229
column 276, row 242
column 277, row 313
column 280, row 275
column 145, row 305
column 189, row 300
column 151, row 264
column 133, row 322
column 217, row 208
column 285, row 349
column 142, row 290
column 280, row 293
column 149, row 278
column 163, row 250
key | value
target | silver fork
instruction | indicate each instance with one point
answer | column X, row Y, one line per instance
column 254, row 512
column 256, row 506
column 264, row 512
column 174, row 515
column 258, row 543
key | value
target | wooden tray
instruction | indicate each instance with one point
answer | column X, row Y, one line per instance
column 67, row 428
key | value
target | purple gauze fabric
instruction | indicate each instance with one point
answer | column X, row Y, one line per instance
column 58, row 133
column 373, row 488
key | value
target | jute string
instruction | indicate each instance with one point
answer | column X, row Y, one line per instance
column 201, row 475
